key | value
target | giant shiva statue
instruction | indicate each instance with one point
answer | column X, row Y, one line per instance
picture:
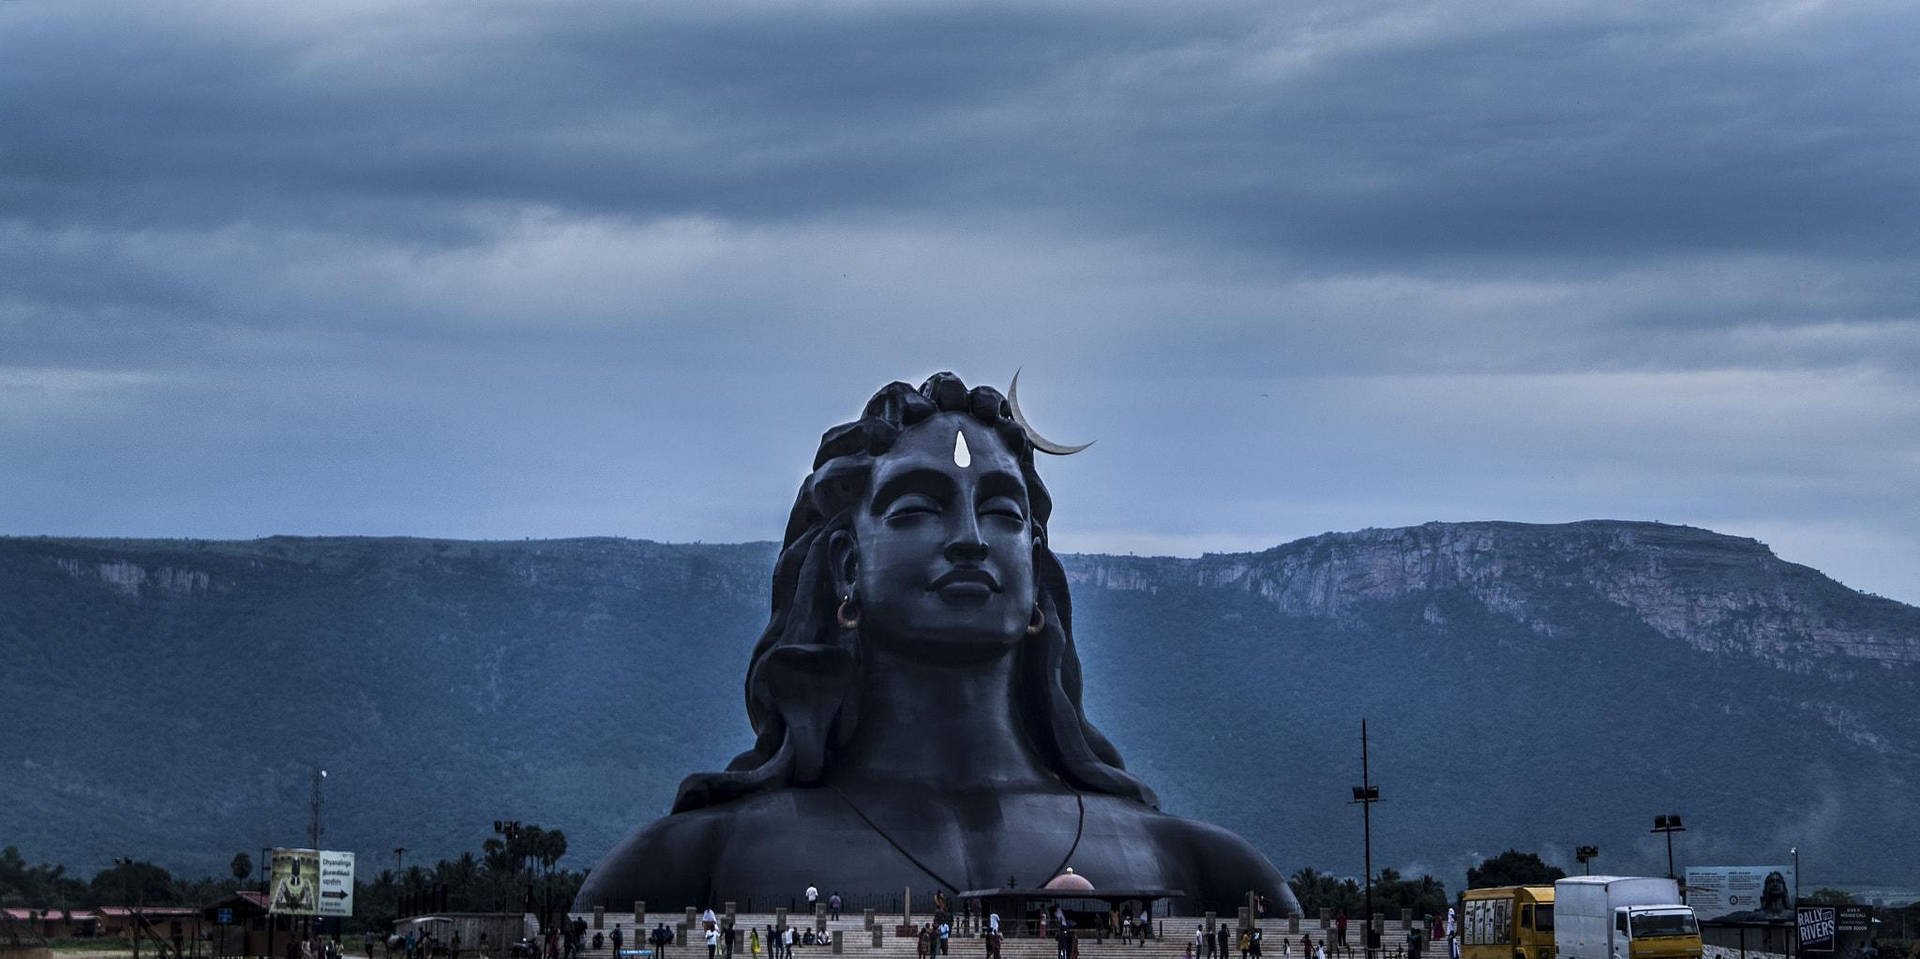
column 915, row 697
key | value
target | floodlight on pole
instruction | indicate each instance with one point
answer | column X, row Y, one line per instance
column 1586, row 855
column 1365, row 795
column 314, row 800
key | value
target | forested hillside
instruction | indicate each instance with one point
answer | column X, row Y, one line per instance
column 1526, row 686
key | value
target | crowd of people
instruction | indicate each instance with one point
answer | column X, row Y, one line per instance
column 723, row 939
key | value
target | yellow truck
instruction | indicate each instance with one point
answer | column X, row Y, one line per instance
column 1507, row 922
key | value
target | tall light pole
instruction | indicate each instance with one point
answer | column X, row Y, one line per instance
column 1586, row 855
column 1796, row 874
column 1366, row 794
column 140, row 895
column 313, row 827
column 1669, row 825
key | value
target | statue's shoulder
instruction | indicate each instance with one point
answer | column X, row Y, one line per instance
column 1226, row 866
column 664, row 863
column 678, row 860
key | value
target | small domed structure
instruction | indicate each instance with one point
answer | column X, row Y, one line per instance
column 1068, row 882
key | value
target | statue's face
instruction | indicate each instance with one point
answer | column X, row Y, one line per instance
column 944, row 559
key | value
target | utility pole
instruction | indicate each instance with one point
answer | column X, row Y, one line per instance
column 1366, row 794
column 1670, row 824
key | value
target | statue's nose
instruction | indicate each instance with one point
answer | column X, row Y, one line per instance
column 967, row 545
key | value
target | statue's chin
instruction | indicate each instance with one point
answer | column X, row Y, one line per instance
column 951, row 647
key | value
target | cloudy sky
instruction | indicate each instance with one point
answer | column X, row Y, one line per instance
column 554, row 269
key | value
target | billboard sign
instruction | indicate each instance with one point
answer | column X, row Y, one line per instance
column 1741, row 893
column 311, row 882
column 1818, row 926
column 296, row 883
column 336, row 883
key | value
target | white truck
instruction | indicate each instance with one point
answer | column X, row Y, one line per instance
column 1623, row 917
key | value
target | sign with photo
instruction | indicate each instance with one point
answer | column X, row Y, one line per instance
column 296, row 883
column 1741, row 893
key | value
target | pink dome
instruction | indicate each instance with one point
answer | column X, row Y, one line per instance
column 1069, row 882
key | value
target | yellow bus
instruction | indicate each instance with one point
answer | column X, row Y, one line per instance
column 1507, row 922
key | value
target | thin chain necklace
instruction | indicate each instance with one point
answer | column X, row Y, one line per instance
column 1080, row 824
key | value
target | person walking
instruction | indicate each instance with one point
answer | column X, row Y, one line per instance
column 833, row 905
column 1340, row 929
column 1201, row 942
column 1414, row 939
column 713, row 941
column 1224, row 940
column 618, row 938
column 1253, row 941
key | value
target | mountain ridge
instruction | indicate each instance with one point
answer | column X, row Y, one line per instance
column 573, row 682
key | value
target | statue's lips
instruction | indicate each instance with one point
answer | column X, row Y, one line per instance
column 966, row 583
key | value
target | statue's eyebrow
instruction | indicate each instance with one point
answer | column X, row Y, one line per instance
column 1003, row 483
column 929, row 481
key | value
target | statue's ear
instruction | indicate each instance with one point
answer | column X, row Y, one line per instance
column 843, row 551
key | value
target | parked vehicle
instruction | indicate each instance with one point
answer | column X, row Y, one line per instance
column 1623, row 917
column 1507, row 922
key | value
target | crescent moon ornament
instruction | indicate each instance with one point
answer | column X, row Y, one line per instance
column 1040, row 443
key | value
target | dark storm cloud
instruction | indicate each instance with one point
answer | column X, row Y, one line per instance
column 1329, row 131
column 509, row 269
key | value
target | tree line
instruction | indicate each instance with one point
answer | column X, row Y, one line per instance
column 511, row 874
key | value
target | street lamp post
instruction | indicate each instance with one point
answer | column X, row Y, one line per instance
column 1366, row 794
column 1586, row 855
column 1669, row 824
column 1796, row 874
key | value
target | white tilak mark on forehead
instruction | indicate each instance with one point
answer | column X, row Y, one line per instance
column 962, row 457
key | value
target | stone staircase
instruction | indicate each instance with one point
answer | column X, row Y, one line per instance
column 1173, row 935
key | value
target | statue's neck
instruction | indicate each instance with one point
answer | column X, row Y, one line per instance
column 950, row 727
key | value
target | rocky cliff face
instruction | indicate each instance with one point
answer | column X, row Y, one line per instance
column 1715, row 593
